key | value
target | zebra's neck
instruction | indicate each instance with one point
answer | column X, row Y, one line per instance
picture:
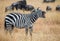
column 33, row 18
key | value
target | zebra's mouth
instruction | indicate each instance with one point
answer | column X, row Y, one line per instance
column 43, row 14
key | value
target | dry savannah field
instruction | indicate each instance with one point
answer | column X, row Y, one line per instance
column 47, row 29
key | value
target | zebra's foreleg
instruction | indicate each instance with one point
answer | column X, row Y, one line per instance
column 26, row 32
column 30, row 30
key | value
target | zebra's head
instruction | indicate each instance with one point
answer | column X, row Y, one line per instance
column 39, row 12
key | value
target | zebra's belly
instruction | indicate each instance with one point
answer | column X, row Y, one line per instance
column 20, row 25
column 23, row 25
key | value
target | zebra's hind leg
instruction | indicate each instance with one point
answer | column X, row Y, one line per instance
column 9, row 32
column 30, row 30
column 9, row 29
column 6, row 31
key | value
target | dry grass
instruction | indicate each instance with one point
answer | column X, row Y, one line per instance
column 47, row 29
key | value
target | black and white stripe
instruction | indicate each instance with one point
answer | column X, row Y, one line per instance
column 23, row 20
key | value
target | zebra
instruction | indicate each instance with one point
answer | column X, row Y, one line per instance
column 20, row 21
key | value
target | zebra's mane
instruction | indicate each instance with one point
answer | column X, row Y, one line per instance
column 33, row 16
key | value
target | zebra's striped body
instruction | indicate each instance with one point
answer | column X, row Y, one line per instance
column 18, row 20
column 22, row 20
